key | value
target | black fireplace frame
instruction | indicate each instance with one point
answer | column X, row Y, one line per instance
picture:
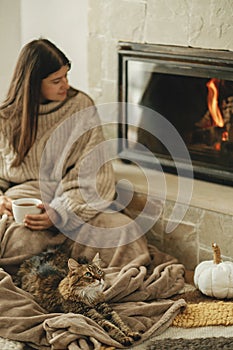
column 204, row 63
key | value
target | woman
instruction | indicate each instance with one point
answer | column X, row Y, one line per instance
column 51, row 148
column 39, row 117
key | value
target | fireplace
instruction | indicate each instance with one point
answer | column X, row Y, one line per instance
column 193, row 90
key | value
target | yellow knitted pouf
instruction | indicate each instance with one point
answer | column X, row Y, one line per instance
column 205, row 314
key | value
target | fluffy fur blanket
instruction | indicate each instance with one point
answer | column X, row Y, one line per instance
column 138, row 290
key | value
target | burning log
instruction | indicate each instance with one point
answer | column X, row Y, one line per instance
column 205, row 122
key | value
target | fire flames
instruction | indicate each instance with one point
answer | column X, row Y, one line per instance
column 214, row 109
column 215, row 112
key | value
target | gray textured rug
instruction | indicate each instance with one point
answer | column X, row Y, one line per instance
column 6, row 344
column 192, row 344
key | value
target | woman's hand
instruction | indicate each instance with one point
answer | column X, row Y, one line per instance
column 48, row 218
column 5, row 205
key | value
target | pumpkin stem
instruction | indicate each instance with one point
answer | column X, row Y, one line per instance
column 217, row 253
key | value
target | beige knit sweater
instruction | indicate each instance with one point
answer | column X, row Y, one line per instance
column 65, row 167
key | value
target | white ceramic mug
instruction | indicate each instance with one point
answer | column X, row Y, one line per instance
column 23, row 206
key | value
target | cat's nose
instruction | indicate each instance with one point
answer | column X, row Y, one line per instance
column 102, row 281
column 99, row 278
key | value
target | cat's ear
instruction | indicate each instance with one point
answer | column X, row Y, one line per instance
column 96, row 260
column 72, row 264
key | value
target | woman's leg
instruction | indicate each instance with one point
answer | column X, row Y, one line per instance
column 119, row 241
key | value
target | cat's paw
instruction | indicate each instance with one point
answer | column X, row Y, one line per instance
column 127, row 341
column 134, row 335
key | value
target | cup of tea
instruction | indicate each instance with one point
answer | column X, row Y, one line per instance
column 24, row 206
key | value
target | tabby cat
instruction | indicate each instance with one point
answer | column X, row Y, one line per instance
column 62, row 284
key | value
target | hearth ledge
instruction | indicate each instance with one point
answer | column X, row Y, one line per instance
column 205, row 195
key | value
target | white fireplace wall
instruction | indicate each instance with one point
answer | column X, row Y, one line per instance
column 188, row 23
column 194, row 23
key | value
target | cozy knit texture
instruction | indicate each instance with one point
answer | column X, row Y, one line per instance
column 205, row 314
column 67, row 134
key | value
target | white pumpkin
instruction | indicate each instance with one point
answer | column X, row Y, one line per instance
column 215, row 278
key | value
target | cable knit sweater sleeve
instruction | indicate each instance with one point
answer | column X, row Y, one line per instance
column 87, row 185
column 66, row 163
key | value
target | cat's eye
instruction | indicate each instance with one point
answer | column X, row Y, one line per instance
column 88, row 274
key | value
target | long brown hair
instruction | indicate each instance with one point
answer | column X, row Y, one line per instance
column 37, row 60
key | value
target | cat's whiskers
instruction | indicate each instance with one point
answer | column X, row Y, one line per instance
column 91, row 293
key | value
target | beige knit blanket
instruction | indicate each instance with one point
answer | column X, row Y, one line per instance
column 139, row 291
